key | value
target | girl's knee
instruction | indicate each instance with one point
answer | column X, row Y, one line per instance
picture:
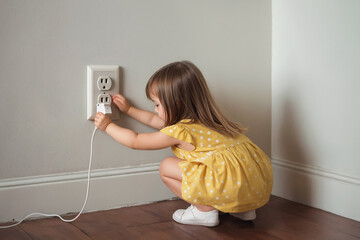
column 169, row 168
column 164, row 166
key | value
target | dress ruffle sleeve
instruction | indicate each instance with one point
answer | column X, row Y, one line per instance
column 178, row 131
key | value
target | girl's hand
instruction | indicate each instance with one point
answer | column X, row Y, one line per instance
column 102, row 121
column 121, row 102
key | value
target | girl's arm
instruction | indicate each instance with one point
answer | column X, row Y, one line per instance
column 131, row 139
column 145, row 117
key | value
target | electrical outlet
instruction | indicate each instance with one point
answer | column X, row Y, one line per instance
column 103, row 82
column 104, row 98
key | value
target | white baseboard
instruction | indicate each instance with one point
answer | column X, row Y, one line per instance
column 334, row 192
column 65, row 193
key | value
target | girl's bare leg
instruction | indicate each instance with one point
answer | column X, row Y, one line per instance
column 171, row 175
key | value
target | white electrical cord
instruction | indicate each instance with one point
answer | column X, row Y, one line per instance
column 86, row 197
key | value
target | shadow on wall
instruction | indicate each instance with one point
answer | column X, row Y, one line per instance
column 296, row 184
column 123, row 121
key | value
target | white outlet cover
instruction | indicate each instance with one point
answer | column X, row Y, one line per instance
column 93, row 74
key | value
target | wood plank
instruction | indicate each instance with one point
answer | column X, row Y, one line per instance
column 165, row 209
column 112, row 220
column 52, row 228
column 317, row 216
column 158, row 231
column 229, row 228
column 278, row 222
column 14, row 233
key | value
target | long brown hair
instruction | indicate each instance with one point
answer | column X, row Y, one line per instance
column 184, row 94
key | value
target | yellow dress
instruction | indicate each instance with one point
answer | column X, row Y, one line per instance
column 230, row 174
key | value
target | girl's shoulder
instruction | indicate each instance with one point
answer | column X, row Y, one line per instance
column 197, row 129
column 185, row 123
column 192, row 126
column 182, row 124
column 180, row 130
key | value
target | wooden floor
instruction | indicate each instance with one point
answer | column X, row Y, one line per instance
column 279, row 219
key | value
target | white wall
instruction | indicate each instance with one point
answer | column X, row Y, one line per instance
column 44, row 49
column 316, row 103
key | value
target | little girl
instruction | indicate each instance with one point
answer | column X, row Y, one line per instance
column 216, row 167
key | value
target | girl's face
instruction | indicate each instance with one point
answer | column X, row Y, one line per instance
column 159, row 109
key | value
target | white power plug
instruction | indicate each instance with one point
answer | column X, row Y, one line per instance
column 104, row 104
column 105, row 108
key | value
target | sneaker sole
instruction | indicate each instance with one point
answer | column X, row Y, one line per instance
column 196, row 223
column 206, row 224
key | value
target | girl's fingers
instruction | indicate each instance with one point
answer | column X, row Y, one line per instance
column 117, row 96
column 118, row 101
column 99, row 116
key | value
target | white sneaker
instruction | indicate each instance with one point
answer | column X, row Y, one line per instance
column 246, row 216
column 193, row 216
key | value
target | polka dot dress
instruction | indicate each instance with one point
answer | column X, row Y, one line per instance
column 230, row 174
